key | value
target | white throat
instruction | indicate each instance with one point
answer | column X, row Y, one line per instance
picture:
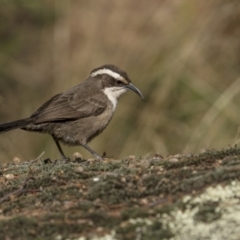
column 113, row 93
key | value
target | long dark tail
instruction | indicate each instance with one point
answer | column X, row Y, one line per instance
column 14, row 125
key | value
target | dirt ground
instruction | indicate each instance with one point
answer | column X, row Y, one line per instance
column 185, row 196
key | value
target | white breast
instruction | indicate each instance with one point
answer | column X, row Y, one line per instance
column 113, row 93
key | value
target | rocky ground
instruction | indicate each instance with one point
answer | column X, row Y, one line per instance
column 185, row 196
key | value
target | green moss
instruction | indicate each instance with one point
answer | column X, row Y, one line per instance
column 129, row 197
column 208, row 212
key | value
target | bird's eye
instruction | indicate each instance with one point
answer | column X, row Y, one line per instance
column 119, row 82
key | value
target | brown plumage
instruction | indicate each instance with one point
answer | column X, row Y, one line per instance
column 79, row 114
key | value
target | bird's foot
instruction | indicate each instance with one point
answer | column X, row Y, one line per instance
column 66, row 159
column 98, row 158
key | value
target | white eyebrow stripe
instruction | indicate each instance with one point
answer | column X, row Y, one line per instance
column 109, row 72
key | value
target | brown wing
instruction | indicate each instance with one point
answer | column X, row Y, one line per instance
column 78, row 102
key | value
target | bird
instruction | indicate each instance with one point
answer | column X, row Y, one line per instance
column 79, row 114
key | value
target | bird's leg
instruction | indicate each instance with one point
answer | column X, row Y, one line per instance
column 92, row 152
column 59, row 148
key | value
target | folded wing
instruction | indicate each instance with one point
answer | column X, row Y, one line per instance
column 74, row 104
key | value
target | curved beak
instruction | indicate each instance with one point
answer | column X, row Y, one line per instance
column 134, row 89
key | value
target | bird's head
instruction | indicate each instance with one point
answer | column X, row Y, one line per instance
column 115, row 81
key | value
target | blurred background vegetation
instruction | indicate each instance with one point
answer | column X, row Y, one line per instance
column 184, row 55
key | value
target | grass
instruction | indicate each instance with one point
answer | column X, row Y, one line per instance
column 182, row 55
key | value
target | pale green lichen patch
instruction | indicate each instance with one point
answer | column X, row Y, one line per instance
column 214, row 214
